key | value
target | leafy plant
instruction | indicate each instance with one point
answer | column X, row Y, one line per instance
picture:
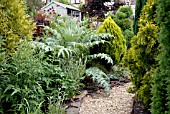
column 72, row 41
column 100, row 77
column 125, row 11
column 119, row 73
column 29, row 79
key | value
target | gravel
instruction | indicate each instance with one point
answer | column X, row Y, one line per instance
column 119, row 102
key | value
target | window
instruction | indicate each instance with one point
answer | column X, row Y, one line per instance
column 75, row 13
column 74, row 1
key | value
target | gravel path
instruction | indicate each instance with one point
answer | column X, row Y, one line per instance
column 119, row 102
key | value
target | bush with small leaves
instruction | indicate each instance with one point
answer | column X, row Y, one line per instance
column 122, row 20
column 117, row 47
column 161, row 84
column 140, row 58
column 15, row 24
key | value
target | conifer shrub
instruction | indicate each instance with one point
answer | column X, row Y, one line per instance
column 117, row 47
column 140, row 58
column 14, row 23
column 161, row 85
column 138, row 9
column 124, row 22
column 126, row 10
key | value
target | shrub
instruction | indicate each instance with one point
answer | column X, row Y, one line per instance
column 122, row 20
column 138, row 10
column 117, row 46
column 14, row 23
column 128, row 35
column 24, row 76
column 126, row 10
column 140, row 58
column 160, row 90
column 31, row 78
column 33, row 5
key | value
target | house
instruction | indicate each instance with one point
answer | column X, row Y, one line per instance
column 61, row 9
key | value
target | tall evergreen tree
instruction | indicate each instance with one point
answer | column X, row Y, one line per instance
column 138, row 9
column 161, row 88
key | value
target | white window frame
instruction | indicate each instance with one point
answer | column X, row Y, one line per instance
column 75, row 1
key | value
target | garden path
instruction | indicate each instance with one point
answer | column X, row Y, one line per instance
column 119, row 102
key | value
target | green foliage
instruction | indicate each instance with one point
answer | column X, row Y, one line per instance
column 37, row 74
column 138, row 10
column 160, row 90
column 30, row 77
column 26, row 79
column 117, row 46
column 119, row 73
column 63, row 1
column 33, row 5
column 128, row 35
column 102, row 56
column 14, row 23
column 100, row 77
column 122, row 20
column 126, row 12
column 71, row 39
column 57, row 107
column 140, row 58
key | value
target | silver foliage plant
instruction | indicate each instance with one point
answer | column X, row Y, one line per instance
column 72, row 41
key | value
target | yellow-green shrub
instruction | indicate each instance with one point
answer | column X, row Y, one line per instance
column 14, row 23
column 140, row 58
column 117, row 46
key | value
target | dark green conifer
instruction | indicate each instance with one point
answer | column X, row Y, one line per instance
column 124, row 22
column 138, row 9
column 161, row 87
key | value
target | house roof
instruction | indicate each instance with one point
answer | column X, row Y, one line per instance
column 62, row 5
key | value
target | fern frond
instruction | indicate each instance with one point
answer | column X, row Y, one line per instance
column 99, row 76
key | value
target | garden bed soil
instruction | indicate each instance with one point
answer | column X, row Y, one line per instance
column 138, row 109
